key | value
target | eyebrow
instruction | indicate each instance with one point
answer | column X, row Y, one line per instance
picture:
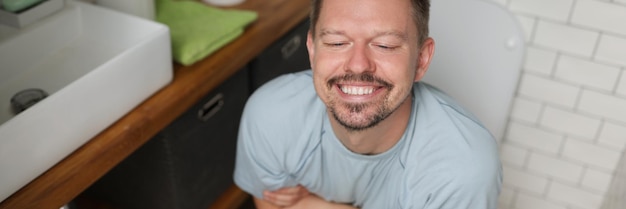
column 394, row 33
column 325, row 32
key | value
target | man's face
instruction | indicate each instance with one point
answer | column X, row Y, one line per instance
column 364, row 57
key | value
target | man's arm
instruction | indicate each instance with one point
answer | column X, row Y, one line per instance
column 262, row 204
column 310, row 201
column 297, row 197
column 287, row 196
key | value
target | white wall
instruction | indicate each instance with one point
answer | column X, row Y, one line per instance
column 568, row 124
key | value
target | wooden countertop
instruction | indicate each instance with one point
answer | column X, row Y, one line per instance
column 67, row 179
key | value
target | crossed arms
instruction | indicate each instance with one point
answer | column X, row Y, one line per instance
column 296, row 197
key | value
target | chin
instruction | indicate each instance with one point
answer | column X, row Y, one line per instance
column 359, row 118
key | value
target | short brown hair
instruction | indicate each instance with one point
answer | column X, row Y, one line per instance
column 419, row 8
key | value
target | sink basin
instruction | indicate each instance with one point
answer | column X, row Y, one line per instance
column 95, row 64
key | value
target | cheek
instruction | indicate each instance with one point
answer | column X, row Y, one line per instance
column 398, row 68
column 328, row 60
column 325, row 66
column 322, row 90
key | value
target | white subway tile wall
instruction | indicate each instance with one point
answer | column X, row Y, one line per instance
column 555, row 168
column 506, row 197
column 522, row 180
column 540, row 61
column 572, row 195
column 603, row 105
column 621, row 88
column 612, row 49
column 613, row 136
column 603, row 16
column 567, row 128
column 515, row 155
column 549, row 9
column 587, row 73
column 548, row 90
column 570, row 123
column 532, row 202
column 596, row 180
column 590, row 154
column 526, row 110
column 533, row 138
column 565, row 38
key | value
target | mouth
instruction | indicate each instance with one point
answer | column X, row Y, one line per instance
column 358, row 90
column 359, row 84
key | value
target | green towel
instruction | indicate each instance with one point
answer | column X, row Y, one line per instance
column 197, row 30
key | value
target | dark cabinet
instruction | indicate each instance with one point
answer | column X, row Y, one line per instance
column 189, row 163
column 288, row 54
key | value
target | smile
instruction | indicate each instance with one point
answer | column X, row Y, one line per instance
column 357, row 90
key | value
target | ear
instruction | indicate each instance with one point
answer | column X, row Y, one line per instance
column 425, row 56
column 310, row 46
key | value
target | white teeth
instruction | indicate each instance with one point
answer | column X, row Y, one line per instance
column 357, row 90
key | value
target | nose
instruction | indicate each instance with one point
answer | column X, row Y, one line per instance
column 359, row 60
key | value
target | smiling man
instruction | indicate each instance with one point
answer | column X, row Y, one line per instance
column 359, row 130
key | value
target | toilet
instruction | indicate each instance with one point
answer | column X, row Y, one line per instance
column 479, row 48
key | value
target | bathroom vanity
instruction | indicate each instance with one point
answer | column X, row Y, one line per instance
column 192, row 87
column 190, row 163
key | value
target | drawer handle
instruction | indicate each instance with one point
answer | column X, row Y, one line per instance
column 211, row 107
column 291, row 46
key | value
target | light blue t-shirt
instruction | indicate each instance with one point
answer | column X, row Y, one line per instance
column 445, row 159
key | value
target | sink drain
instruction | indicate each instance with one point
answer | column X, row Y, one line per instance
column 26, row 98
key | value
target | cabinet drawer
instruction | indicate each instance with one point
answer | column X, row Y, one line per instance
column 286, row 55
column 189, row 163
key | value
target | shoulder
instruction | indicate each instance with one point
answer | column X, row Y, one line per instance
column 451, row 152
column 285, row 98
column 439, row 115
column 285, row 112
column 429, row 95
column 440, row 123
column 292, row 87
column 280, row 127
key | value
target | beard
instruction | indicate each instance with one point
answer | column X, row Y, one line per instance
column 361, row 116
column 355, row 120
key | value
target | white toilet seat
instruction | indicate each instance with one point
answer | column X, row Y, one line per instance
column 479, row 48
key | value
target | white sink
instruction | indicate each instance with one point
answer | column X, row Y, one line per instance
column 96, row 65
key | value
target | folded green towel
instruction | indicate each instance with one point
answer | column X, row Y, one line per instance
column 197, row 30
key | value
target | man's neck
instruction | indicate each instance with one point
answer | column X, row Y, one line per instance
column 377, row 139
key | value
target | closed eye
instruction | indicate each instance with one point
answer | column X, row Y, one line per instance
column 386, row 47
column 338, row 44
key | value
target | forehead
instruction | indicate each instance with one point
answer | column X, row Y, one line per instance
column 376, row 16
